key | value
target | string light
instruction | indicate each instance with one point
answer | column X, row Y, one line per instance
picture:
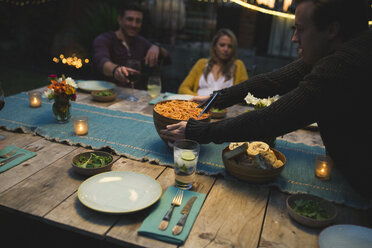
column 271, row 12
column 263, row 10
column 71, row 61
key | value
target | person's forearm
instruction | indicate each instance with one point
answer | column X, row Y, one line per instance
column 164, row 55
column 264, row 85
column 108, row 68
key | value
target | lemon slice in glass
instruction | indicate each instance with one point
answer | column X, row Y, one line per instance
column 188, row 156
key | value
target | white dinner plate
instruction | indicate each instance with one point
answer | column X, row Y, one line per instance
column 345, row 236
column 179, row 97
column 119, row 192
column 92, row 85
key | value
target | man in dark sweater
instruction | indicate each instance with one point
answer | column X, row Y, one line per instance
column 113, row 49
column 328, row 85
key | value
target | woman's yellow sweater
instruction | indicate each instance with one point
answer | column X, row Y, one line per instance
column 190, row 85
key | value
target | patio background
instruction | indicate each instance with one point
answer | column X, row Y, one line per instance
column 35, row 32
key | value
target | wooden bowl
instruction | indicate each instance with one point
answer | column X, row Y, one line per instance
column 251, row 174
column 97, row 97
column 161, row 121
column 218, row 115
column 329, row 208
column 91, row 171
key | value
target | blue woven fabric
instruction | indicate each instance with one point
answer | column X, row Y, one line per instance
column 134, row 135
column 130, row 134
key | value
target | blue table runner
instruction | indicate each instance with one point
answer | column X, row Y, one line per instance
column 134, row 135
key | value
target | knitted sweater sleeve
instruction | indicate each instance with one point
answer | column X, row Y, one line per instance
column 281, row 117
column 263, row 85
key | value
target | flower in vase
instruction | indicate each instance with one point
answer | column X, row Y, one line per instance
column 61, row 88
column 258, row 102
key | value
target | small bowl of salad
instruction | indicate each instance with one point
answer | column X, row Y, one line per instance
column 104, row 95
column 310, row 210
column 91, row 163
column 218, row 113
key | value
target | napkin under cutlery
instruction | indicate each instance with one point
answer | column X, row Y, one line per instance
column 26, row 155
column 149, row 226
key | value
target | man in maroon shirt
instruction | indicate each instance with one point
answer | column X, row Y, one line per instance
column 112, row 50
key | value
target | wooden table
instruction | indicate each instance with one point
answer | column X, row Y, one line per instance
column 39, row 204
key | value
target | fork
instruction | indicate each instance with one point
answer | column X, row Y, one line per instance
column 7, row 155
column 177, row 200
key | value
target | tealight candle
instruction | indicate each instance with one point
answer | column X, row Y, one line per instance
column 323, row 167
column 35, row 99
column 80, row 125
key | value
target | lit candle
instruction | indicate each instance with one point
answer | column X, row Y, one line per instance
column 35, row 99
column 323, row 167
column 80, row 125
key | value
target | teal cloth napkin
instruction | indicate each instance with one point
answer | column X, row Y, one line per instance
column 150, row 225
column 27, row 155
column 161, row 97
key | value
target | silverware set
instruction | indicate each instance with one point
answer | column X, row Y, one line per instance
column 177, row 200
column 9, row 156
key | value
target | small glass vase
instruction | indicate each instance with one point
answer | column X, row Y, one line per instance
column 61, row 109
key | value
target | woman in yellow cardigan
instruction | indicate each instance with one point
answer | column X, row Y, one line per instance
column 221, row 70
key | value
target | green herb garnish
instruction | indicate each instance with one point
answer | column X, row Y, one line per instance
column 94, row 161
column 311, row 209
column 216, row 110
column 104, row 93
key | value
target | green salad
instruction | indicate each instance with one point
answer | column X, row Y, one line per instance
column 311, row 209
column 104, row 93
column 94, row 161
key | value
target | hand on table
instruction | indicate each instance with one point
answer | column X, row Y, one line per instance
column 174, row 132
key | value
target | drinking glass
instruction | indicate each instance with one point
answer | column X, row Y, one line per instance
column 154, row 86
column 186, row 153
column 133, row 78
column 2, row 103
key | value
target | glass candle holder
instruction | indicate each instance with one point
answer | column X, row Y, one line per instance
column 323, row 167
column 80, row 125
column 35, row 99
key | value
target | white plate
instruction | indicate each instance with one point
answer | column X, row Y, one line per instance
column 92, row 85
column 345, row 236
column 179, row 97
column 119, row 192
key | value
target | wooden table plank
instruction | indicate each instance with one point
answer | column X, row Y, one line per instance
column 280, row 230
column 232, row 216
column 43, row 191
column 47, row 153
column 17, row 139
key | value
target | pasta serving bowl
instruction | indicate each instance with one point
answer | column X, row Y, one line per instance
column 173, row 111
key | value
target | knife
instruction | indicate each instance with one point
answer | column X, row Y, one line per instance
column 4, row 162
column 185, row 211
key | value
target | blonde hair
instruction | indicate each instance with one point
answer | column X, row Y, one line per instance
column 228, row 66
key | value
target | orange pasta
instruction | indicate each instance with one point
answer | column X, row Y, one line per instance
column 180, row 110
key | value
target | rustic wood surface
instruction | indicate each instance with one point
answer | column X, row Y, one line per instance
column 235, row 213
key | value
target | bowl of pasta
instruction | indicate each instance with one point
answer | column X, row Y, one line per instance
column 173, row 111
